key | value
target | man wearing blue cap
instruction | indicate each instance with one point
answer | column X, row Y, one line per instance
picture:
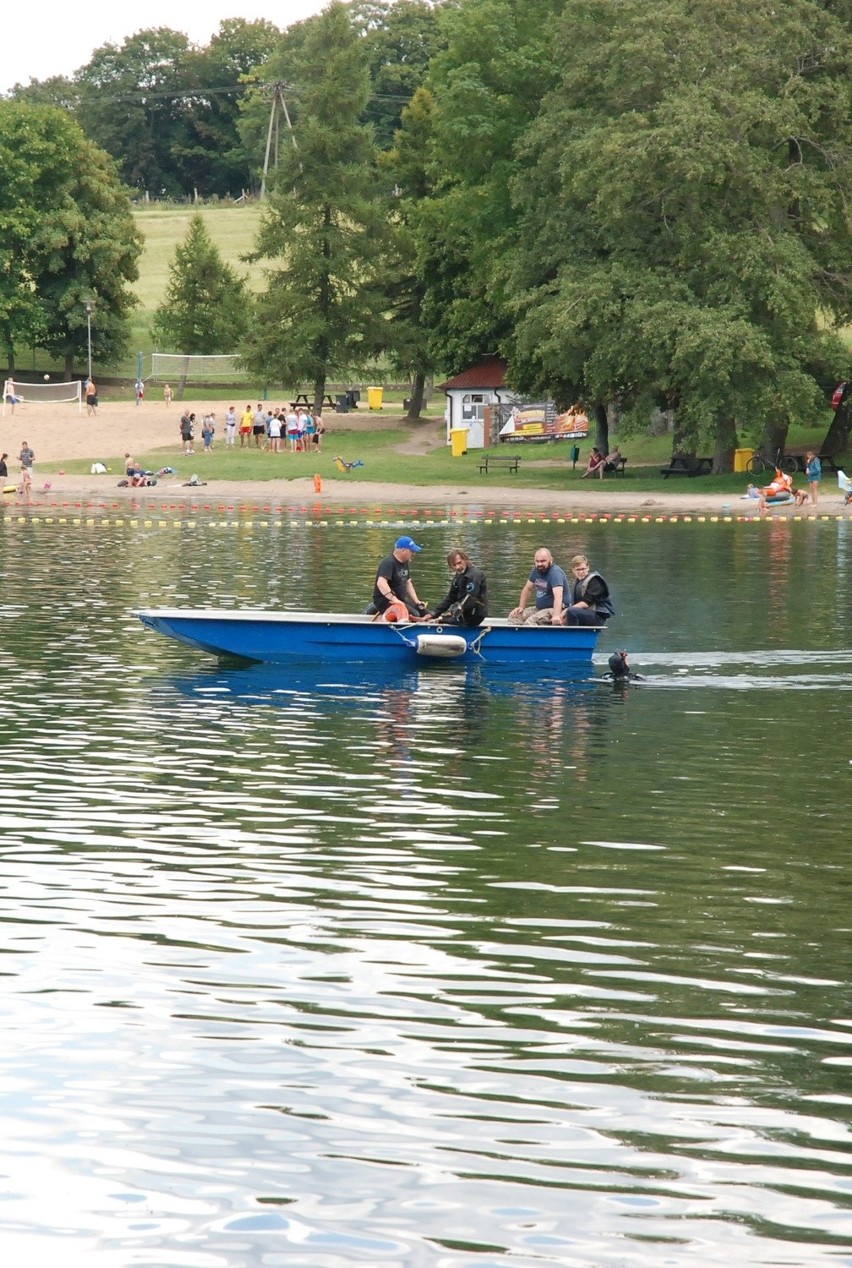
column 393, row 580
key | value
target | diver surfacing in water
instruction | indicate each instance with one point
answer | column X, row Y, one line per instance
column 619, row 669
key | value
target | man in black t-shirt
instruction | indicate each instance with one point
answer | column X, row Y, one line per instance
column 393, row 580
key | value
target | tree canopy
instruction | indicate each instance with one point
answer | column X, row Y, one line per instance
column 66, row 236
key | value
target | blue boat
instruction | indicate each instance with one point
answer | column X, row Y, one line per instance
column 284, row 637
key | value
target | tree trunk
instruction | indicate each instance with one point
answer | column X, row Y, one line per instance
column 837, row 437
column 418, row 392
column 601, row 427
column 774, row 438
column 319, row 392
column 726, row 443
column 69, row 367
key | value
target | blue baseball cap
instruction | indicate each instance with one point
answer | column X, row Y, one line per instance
column 405, row 543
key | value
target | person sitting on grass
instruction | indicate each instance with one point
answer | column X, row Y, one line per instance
column 595, row 464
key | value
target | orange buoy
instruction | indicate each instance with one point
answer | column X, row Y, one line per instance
column 395, row 612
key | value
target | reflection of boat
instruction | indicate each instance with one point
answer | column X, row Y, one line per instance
column 281, row 637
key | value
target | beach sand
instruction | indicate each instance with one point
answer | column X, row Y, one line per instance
column 60, row 434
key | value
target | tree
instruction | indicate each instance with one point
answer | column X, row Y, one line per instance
column 488, row 84
column 323, row 226
column 212, row 156
column 205, row 308
column 66, row 235
column 400, row 39
column 134, row 104
column 685, row 234
column 404, row 280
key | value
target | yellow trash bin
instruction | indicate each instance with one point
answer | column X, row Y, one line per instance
column 742, row 457
column 458, row 441
column 375, row 396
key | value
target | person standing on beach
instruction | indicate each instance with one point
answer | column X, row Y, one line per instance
column 26, row 458
column 91, row 397
column 10, row 394
column 813, row 474
column 230, row 427
column 167, row 396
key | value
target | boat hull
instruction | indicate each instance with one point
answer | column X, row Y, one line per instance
column 283, row 637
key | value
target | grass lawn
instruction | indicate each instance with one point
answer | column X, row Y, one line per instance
column 385, row 459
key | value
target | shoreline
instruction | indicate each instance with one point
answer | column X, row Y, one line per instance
column 153, row 428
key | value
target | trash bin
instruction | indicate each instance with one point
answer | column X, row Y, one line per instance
column 458, row 441
column 374, row 397
column 354, row 395
column 342, row 403
column 575, row 455
column 406, row 404
column 742, row 457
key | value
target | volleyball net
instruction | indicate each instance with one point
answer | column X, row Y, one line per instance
column 46, row 393
column 178, row 367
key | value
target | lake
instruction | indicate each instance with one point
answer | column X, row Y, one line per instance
column 431, row 968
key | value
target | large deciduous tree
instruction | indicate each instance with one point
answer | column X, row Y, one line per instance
column 686, row 237
column 66, row 236
column 205, row 307
column 323, row 226
column 134, row 104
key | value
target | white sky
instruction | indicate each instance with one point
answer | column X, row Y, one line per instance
column 54, row 37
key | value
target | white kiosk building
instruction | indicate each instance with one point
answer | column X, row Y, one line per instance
column 469, row 396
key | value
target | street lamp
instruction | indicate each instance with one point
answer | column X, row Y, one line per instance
column 90, row 303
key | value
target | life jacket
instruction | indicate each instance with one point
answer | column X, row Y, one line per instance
column 603, row 605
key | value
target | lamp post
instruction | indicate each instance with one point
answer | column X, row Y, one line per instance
column 90, row 303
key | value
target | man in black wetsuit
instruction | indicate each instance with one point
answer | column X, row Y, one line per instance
column 393, row 579
column 466, row 601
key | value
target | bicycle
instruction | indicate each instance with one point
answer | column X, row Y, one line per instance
column 759, row 463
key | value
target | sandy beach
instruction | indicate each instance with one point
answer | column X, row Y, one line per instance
column 59, row 434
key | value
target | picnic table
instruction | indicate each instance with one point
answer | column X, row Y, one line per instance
column 302, row 401
column 827, row 460
column 687, row 465
column 492, row 460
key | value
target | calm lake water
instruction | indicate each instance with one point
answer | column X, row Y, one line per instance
column 326, row 967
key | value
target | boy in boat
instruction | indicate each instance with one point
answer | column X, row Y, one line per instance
column 588, row 599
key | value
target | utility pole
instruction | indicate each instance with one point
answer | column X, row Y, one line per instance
column 279, row 106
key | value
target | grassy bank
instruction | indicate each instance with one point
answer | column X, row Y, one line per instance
column 417, row 456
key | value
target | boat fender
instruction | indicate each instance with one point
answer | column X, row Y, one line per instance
column 396, row 612
column 444, row 645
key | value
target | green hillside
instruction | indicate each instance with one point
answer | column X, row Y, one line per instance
column 231, row 228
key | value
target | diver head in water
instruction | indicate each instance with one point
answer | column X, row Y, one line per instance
column 618, row 665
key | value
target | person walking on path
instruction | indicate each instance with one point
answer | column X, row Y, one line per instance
column 813, row 474
column 91, row 397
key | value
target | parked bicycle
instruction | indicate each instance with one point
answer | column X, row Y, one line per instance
column 760, row 463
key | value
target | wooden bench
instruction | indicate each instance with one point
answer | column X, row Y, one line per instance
column 685, row 465
column 489, row 460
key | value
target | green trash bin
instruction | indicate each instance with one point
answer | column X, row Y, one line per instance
column 375, row 396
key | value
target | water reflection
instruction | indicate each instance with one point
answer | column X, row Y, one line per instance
column 441, row 968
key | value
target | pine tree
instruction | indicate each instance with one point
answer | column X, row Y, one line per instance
column 206, row 303
column 324, row 224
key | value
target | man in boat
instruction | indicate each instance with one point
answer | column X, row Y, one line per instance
column 393, row 580
column 549, row 584
column 466, row 602
column 588, row 598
